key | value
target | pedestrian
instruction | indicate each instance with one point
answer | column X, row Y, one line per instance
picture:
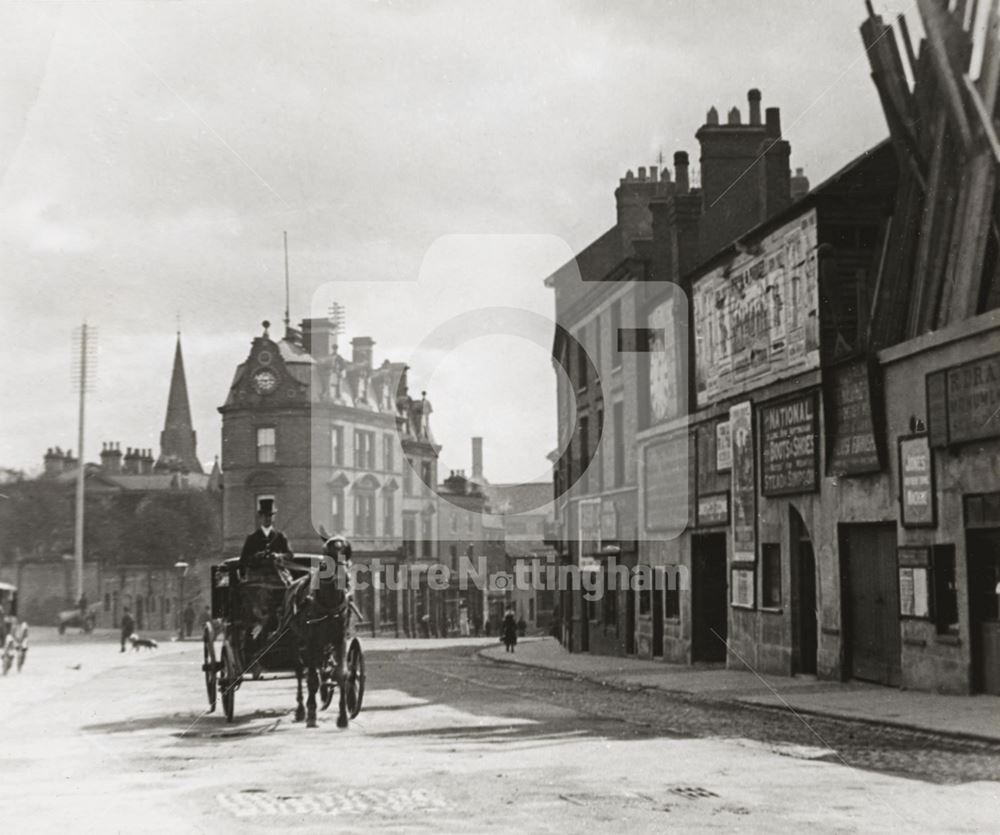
column 128, row 626
column 522, row 627
column 188, row 620
column 509, row 630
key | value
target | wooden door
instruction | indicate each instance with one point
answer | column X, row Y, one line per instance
column 871, row 602
column 709, row 597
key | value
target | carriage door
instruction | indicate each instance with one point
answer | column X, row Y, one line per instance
column 870, row 601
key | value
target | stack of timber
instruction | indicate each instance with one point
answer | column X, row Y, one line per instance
column 940, row 249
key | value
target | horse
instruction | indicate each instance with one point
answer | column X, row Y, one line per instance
column 321, row 619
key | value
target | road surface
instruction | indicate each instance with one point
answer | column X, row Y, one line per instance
column 97, row 741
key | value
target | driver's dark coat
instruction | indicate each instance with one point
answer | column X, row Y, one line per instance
column 260, row 541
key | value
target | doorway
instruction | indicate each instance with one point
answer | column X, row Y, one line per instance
column 983, row 548
column 709, row 601
column 630, row 621
column 870, row 602
column 658, row 584
column 804, row 610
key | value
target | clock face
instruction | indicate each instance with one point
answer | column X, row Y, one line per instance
column 265, row 381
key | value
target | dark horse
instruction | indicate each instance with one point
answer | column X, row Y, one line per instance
column 321, row 621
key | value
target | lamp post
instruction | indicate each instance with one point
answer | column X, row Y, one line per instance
column 182, row 569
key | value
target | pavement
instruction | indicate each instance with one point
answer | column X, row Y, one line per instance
column 973, row 717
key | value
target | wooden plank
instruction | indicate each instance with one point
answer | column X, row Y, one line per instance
column 972, row 236
column 937, row 25
column 989, row 77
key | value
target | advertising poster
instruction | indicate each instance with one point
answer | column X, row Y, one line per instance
column 788, row 441
column 744, row 506
column 756, row 318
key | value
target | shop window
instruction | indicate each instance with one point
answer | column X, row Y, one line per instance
column 770, row 569
column 645, row 600
column 671, row 593
column 945, row 591
column 266, row 446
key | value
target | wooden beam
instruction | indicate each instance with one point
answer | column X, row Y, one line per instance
column 989, row 75
column 936, row 25
column 989, row 129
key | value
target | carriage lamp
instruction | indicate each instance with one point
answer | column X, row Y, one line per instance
column 182, row 568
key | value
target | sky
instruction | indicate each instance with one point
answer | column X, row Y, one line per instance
column 427, row 159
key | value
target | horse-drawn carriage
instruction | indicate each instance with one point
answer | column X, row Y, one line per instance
column 13, row 630
column 280, row 617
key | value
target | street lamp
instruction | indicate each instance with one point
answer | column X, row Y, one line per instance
column 182, row 570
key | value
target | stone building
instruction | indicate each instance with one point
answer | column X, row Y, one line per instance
column 322, row 436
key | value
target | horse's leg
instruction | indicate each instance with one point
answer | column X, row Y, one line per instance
column 300, row 711
column 340, row 673
column 313, row 687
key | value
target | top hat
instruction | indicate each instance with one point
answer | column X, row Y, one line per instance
column 266, row 507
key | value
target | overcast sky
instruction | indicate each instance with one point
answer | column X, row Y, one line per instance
column 454, row 152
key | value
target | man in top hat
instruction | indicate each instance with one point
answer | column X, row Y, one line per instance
column 266, row 537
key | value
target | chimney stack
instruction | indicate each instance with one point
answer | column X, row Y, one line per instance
column 681, row 172
column 734, row 116
column 111, row 458
column 362, row 348
column 773, row 127
column 477, row 458
column 799, row 185
column 318, row 337
column 53, row 461
column 753, row 97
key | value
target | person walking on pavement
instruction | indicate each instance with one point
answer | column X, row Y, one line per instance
column 128, row 626
column 188, row 620
column 509, row 630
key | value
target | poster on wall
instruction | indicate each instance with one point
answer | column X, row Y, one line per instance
column 756, row 318
column 744, row 506
column 742, row 587
column 723, row 447
column 853, row 406
column 665, row 486
column 914, row 582
column 916, row 482
column 664, row 393
column 789, row 432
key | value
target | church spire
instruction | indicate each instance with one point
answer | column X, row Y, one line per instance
column 177, row 440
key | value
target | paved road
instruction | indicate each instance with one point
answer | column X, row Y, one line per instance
column 450, row 742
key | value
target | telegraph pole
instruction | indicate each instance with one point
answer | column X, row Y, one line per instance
column 83, row 372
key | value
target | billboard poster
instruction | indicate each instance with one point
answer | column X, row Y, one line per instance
column 756, row 318
column 789, row 449
column 744, row 506
column 664, row 400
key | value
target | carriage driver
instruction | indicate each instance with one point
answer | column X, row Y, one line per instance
column 266, row 538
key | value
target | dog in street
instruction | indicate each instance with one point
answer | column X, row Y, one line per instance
column 142, row 643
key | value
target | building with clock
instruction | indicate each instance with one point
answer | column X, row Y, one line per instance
column 323, row 435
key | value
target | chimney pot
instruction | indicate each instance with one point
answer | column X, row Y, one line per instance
column 642, row 173
column 753, row 97
column 734, row 116
column 653, row 171
column 712, row 117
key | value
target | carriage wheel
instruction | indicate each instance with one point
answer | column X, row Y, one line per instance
column 327, row 685
column 355, row 684
column 8, row 654
column 209, row 666
column 228, row 681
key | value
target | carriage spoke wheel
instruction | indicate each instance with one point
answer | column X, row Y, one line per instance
column 355, row 684
column 228, row 682
column 209, row 666
column 8, row 654
column 327, row 685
